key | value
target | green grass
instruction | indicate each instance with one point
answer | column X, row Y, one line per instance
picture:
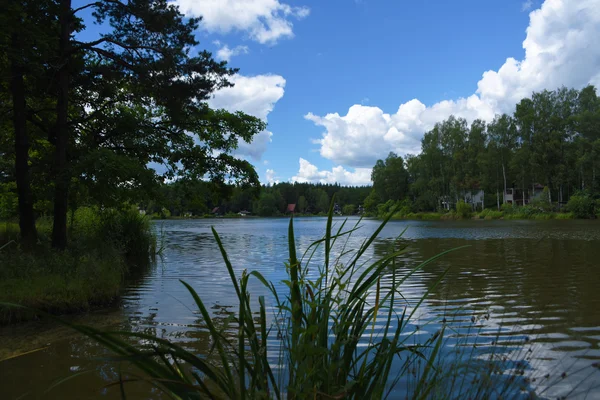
column 490, row 214
column 104, row 247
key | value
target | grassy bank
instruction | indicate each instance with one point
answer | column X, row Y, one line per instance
column 104, row 247
column 488, row 214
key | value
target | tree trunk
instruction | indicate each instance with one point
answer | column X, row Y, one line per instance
column 61, row 188
column 524, row 191
column 17, row 88
column 504, row 176
column 498, row 199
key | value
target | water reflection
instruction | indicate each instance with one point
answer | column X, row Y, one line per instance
column 529, row 286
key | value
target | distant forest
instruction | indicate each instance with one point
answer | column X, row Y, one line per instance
column 198, row 197
column 552, row 140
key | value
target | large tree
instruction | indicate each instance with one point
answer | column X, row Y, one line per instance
column 130, row 106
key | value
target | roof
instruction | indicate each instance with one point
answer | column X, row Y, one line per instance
column 291, row 208
column 214, row 210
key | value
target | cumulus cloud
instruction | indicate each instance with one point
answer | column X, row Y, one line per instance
column 265, row 21
column 225, row 53
column 310, row 173
column 254, row 95
column 271, row 177
column 560, row 49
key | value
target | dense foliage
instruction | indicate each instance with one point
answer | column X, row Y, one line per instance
column 551, row 141
column 106, row 120
column 197, row 198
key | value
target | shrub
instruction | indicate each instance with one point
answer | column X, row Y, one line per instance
column 489, row 213
column 349, row 209
column 463, row 210
column 103, row 247
column 568, row 215
column 582, row 205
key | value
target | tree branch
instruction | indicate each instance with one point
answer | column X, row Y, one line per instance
column 96, row 4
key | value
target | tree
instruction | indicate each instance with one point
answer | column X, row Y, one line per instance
column 370, row 203
column 28, row 26
column 302, row 204
column 322, row 201
column 135, row 95
column 390, row 178
column 349, row 209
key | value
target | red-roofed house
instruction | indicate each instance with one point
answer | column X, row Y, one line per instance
column 291, row 208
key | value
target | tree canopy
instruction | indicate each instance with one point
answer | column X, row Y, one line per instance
column 110, row 118
column 551, row 140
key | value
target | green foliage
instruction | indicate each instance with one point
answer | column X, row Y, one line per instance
column 582, row 205
column 105, row 245
column 349, row 209
column 488, row 213
column 8, row 201
column 372, row 201
column 58, row 282
column 551, row 138
column 463, row 210
column 390, row 178
column 302, row 204
column 269, row 204
column 385, row 208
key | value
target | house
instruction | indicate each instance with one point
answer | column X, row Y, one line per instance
column 519, row 197
column 475, row 197
column 291, row 208
column 337, row 210
column 215, row 211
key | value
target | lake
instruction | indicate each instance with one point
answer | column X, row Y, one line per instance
column 533, row 282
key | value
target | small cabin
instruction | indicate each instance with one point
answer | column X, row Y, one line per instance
column 291, row 208
column 474, row 197
column 520, row 197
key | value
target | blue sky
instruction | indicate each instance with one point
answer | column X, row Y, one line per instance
column 343, row 82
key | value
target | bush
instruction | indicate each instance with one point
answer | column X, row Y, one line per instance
column 463, row 210
column 349, row 209
column 489, row 213
column 103, row 247
column 582, row 206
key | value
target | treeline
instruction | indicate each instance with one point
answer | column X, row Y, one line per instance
column 551, row 141
column 198, row 198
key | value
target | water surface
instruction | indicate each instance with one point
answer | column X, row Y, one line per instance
column 526, row 281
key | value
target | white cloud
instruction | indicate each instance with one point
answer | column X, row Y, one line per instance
column 527, row 5
column 560, row 49
column 254, row 95
column 271, row 177
column 310, row 173
column 225, row 53
column 265, row 21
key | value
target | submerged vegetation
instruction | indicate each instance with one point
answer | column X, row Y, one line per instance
column 105, row 247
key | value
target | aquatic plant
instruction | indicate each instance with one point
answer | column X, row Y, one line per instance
column 337, row 332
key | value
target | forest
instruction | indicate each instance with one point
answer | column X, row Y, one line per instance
column 546, row 154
